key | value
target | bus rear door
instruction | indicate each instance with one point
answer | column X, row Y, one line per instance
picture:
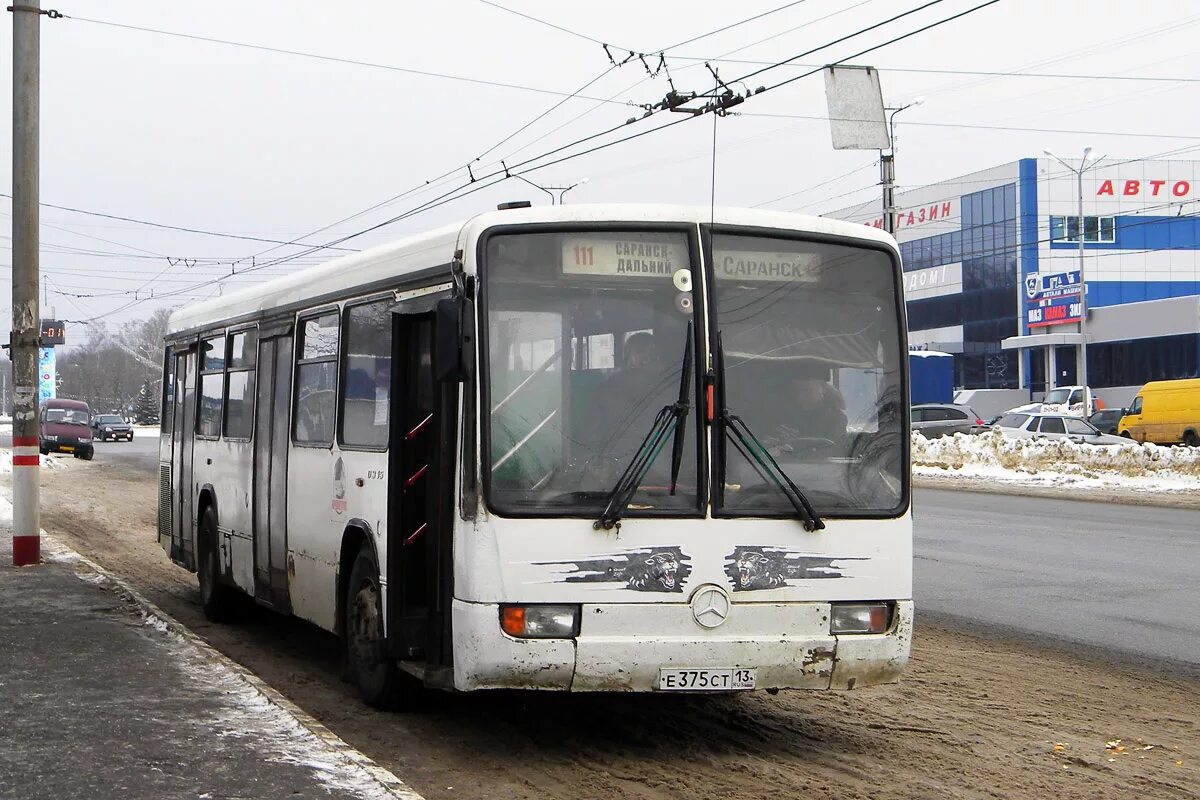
column 271, row 407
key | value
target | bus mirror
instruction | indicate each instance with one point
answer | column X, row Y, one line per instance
column 447, row 351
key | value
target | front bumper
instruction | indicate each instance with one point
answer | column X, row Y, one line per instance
column 789, row 645
column 66, row 447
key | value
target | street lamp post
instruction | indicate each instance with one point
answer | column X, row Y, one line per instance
column 550, row 190
column 1084, row 166
column 887, row 168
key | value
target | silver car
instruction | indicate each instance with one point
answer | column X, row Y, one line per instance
column 932, row 420
column 1053, row 426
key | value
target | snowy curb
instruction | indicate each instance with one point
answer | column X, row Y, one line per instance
column 1060, row 463
column 363, row 773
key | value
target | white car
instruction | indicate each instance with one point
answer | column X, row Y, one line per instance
column 1019, row 425
column 1065, row 400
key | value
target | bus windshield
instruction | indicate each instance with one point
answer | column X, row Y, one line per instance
column 585, row 338
column 811, row 339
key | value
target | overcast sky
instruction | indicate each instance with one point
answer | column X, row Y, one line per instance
column 272, row 145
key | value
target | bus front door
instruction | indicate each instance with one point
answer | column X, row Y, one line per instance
column 418, row 550
column 273, row 387
column 183, row 528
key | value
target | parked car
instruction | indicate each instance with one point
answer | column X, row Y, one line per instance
column 932, row 420
column 1066, row 400
column 111, row 426
column 1106, row 421
column 64, row 428
column 1053, row 426
column 1165, row 412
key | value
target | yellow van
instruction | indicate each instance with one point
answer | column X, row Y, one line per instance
column 1164, row 412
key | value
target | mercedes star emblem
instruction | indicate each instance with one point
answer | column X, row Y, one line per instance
column 710, row 605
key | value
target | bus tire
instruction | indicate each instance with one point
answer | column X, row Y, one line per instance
column 1191, row 439
column 216, row 599
column 380, row 681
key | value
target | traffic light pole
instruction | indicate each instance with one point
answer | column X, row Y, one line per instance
column 26, row 319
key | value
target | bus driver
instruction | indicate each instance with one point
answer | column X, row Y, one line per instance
column 814, row 409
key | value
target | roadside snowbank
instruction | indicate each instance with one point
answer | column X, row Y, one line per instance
column 1043, row 461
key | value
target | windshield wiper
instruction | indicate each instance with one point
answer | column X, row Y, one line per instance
column 668, row 419
column 755, row 452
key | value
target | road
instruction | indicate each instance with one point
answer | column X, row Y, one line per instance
column 1119, row 577
column 1114, row 576
column 977, row 714
column 141, row 454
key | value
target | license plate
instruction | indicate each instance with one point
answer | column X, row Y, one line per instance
column 706, row 680
column 66, row 448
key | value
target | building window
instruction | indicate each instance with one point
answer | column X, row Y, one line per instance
column 1095, row 229
column 316, row 380
column 239, row 385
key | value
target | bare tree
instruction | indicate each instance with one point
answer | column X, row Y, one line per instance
column 112, row 367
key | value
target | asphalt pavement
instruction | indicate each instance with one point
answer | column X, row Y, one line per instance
column 1117, row 577
column 141, row 453
column 1113, row 576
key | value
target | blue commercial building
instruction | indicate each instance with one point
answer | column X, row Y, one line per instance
column 992, row 273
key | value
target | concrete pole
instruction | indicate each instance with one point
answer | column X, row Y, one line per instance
column 26, row 318
column 887, row 175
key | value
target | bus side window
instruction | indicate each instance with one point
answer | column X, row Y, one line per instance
column 239, row 385
column 366, row 388
column 316, row 380
column 166, row 414
column 212, row 380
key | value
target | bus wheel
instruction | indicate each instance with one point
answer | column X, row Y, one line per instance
column 379, row 680
column 216, row 599
column 1191, row 439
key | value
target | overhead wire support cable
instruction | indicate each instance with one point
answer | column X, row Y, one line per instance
column 333, row 59
column 471, row 188
column 667, row 103
column 613, row 65
column 892, row 41
column 150, row 224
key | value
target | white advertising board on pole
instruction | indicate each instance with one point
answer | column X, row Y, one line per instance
column 855, row 101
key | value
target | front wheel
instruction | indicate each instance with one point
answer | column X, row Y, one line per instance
column 380, row 682
column 1191, row 439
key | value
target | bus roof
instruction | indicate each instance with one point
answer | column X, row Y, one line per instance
column 416, row 255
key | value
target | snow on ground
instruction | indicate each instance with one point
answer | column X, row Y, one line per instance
column 49, row 462
column 1048, row 462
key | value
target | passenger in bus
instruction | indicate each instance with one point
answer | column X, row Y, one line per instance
column 629, row 398
column 813, row 408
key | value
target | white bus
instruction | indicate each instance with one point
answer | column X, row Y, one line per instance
column 611, row 447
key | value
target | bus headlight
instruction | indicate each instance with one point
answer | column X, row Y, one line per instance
column 539, row 621
column 859, row 618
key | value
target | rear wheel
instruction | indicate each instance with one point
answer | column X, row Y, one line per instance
column 216, row 599
column 379, row 680
column 1191, row 439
